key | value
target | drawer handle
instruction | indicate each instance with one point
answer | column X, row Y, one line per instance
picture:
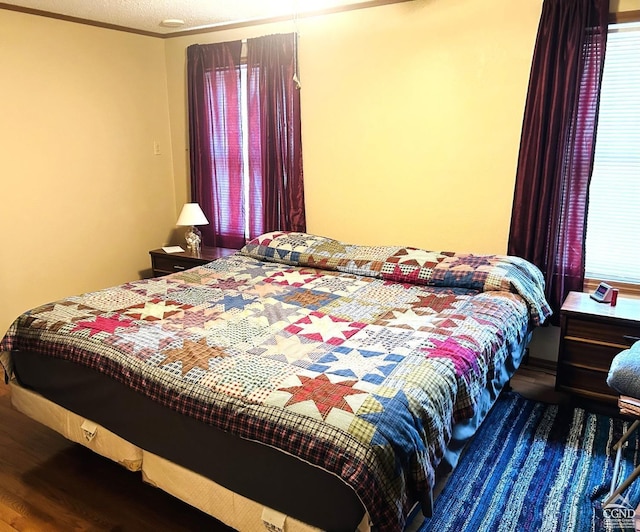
column 178, row 267
column 631, row 339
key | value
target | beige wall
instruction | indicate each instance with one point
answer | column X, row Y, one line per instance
column 83, row 198
column 411, row 117
column 623, row 5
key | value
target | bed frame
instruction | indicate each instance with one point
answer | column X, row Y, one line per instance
column 86, row 408
column 253, row 462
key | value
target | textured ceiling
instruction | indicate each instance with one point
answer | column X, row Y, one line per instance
column 146, row 15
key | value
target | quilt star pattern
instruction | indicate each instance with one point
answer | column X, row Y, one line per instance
column 356, row 359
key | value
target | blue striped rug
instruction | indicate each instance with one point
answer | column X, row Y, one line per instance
column 534, row 467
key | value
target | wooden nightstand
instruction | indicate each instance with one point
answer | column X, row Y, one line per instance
column 591, row 335
column 164, row 263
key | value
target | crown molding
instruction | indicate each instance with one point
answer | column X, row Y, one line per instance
column 202, row 29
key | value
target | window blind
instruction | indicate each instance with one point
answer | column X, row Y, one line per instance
column 613, row 220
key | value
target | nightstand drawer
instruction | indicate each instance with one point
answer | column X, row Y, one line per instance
column 172, row 264
column 164, row 263
column 616, row 334
column 585, row 382
column 587, row 355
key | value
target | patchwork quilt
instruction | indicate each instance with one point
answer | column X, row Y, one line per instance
column 355, row 359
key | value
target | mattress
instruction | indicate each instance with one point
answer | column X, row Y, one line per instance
column 323, row 380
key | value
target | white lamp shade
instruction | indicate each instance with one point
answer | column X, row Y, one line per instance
column 192, row 214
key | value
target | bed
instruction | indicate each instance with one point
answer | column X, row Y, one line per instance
column 301, row 383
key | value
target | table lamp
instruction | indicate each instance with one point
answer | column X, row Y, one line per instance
column 192, row 215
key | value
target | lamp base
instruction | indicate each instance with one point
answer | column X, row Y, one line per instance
column 193, row 236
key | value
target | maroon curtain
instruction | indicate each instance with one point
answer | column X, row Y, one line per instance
column 548, row 220
column 276, row 190
column 215, row 137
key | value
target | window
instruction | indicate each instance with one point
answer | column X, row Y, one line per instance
column 245, row 138
column 234, row 151
column 613, row 220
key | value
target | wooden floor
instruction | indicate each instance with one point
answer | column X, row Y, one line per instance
column 536, row 381
column 50, row 484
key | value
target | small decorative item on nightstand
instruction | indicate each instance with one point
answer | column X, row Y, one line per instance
column 603, row 294
column 192, row 215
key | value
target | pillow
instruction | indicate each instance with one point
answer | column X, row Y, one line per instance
column 407, row 265
column 624, row 372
